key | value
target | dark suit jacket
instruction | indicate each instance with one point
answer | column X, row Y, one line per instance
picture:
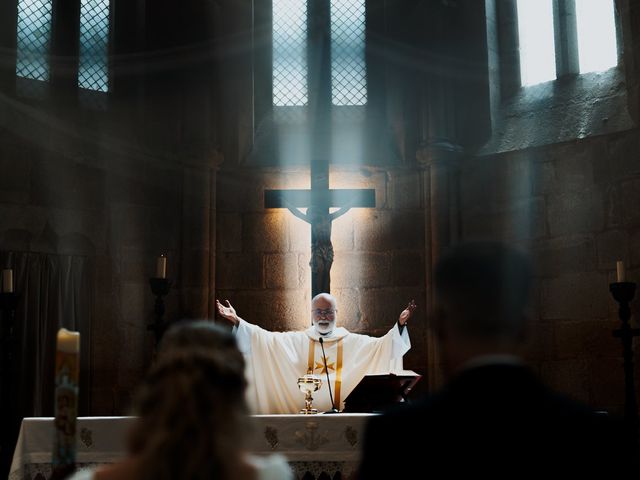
column 494, row 421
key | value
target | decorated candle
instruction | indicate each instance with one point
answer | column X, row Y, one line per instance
column 67, row 374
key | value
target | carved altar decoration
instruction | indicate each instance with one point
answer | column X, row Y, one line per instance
column 319, row 446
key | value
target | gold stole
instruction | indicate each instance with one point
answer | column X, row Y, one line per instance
column 311, row 367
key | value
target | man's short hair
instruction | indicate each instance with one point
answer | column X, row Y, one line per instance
column 327, row 296
column 487, row 284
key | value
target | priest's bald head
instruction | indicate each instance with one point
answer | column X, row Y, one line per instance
column 323, row 313
column 482, row 292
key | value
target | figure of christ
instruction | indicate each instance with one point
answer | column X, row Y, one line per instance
column 321, row 247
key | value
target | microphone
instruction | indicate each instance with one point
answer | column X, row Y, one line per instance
column 326, row 370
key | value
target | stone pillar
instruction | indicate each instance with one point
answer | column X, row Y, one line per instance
column 628, row 19
column 442, row 228
column 198, row 238
column 127, row 69
column 8, row 22
column 438, row 154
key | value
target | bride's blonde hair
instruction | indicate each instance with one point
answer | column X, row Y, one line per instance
column 191, row 407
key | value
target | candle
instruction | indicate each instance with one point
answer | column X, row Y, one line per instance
column 67, row 375
column 68, row 341
column 7, row 281
column 620, row 273
column 161, row 267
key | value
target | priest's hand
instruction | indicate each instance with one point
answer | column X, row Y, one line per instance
column 227, row 312
column 406, row 313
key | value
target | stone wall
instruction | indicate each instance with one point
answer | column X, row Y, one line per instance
column 140, row 179
column 122, row 211
column 263, row 255
column 574, row 206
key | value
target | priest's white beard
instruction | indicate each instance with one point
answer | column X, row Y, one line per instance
column 324, row 327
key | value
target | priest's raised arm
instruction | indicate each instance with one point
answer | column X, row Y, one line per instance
column 275, row 360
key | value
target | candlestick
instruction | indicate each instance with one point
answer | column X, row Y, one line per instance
column 161, row 267
column 67, row 375
column 620, row 272
column 623, row 293
column 7, row 280
column 160, row 287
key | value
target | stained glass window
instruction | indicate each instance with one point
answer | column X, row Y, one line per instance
column 290, row 46
column 33, row 39
column 348, row 68
column 289, row 52
column 93, row 71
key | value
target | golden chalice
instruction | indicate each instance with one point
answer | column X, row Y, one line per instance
column 308, row 384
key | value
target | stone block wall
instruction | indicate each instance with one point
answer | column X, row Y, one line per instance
column 574, row 206
column 263, row 255
column 122, row 210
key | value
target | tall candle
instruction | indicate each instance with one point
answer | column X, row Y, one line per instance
column 620, row 273
column 161, row 267
column 67, row 375
column 7, row 280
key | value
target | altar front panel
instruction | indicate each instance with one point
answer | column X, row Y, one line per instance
column 313, row 444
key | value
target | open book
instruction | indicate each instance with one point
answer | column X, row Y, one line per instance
column 374, row 393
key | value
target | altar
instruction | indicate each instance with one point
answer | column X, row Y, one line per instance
column 315, row 445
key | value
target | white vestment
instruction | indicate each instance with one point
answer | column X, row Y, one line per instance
column 275, row 361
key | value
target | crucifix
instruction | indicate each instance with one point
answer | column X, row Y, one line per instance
column 320, row 199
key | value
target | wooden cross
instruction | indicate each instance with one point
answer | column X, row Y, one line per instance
column 320, row 198
column 318, row 201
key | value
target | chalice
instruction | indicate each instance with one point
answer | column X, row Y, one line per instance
column 308, row 384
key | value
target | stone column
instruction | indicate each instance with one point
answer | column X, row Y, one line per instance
column 442, row 228
column 438, row 154
column 629, row 37
column 198, row 238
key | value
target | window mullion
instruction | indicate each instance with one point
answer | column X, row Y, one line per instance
column 319, row 74
column 65, row 41
column 509, row 47
column 93, row 74
column 566, row 37
column 319, row 54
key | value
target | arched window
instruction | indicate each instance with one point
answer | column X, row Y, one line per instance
column 561, row 37
column 33, row 39
column 552, row 59
column 42, row 28
column 597, row 45
column 320, row 81
column 93, row 73
column 295, row 43
column 290, row 53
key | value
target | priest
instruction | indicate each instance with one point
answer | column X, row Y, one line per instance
column 275, row 360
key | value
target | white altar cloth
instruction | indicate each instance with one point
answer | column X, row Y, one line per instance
column 311, row 443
